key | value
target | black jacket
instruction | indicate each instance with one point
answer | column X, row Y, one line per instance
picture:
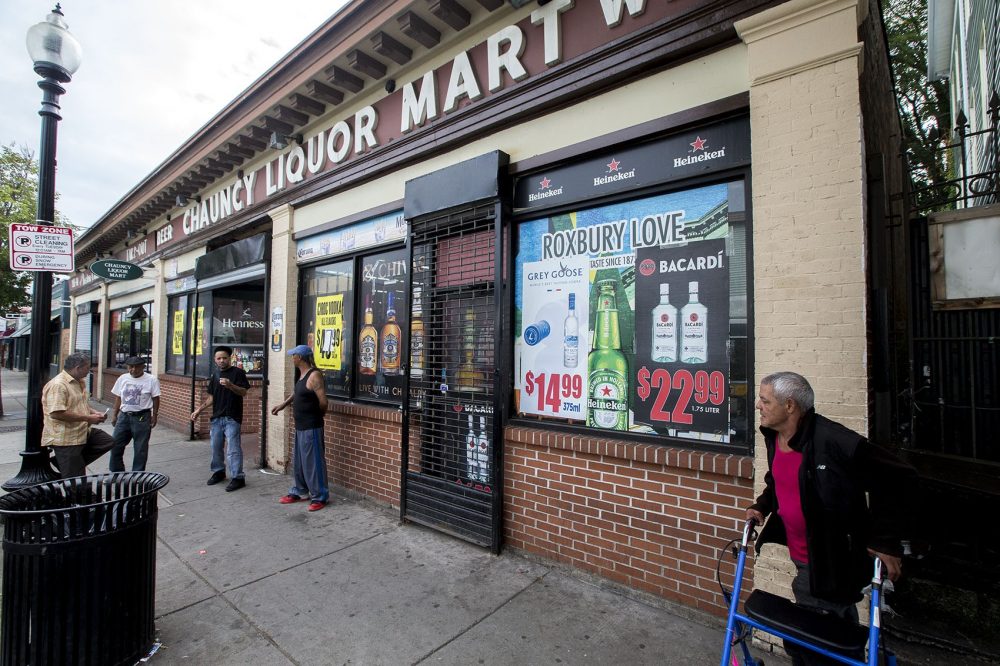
column 839, row 467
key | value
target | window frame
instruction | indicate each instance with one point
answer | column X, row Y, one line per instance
column 743, row 441
column 356, row 260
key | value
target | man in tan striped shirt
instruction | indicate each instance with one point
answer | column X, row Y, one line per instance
column 68, row 418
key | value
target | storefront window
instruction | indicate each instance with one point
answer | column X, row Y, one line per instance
column 632, row 316
column 177, row 332
column 238, row 322
column 131, row 335
column 187, row 335
column 358, row 339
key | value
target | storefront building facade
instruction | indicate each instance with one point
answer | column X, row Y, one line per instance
column 543, row 254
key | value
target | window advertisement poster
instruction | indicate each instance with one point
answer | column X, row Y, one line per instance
column 584, row 313
column 383, row 319
column 389, row 228
column 682, row 330
column 329, row 332
column 198, row 332
column 177, row 339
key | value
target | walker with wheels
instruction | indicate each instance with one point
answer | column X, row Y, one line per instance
column 820, row 632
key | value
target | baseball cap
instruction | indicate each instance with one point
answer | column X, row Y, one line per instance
column 135, row 360
column 301, row 350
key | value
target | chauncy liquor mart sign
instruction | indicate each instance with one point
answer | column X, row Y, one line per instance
column 553, row 33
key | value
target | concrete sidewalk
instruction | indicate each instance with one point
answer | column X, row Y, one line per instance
column 244, row 580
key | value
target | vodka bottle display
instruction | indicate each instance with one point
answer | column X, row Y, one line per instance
column 571, row 336
column 694, row 327
column 417, row 335
column 471, row 452
column 390, row 339
column 664, row 328
column 368, row 343
column 483, row 453
column 607, row 403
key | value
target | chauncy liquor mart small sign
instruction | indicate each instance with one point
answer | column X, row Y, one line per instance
column 114, row 269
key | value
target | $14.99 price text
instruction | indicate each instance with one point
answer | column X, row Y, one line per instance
column 707, row 389
column 557, row 392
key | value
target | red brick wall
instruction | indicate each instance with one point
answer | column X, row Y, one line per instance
column 649, row 517
column 362, row 449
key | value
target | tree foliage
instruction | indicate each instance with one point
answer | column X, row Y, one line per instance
column 18, row 202
column 923, row 104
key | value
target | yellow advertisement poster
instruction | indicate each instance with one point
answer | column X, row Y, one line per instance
column 197, row 330
column 329, row 331
column 177, row 346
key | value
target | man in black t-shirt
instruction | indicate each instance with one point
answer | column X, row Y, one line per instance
column 225, row 390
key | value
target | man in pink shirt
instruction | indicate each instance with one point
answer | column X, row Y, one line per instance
column 833, row 498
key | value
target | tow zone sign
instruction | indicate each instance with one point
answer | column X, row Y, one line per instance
column 40, row 247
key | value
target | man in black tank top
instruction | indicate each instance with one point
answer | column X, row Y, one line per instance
column 308, row 401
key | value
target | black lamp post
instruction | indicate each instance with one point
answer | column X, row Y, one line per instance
column 56, row 54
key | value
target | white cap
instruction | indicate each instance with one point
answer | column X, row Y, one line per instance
column 693, row 286
column 664, row 288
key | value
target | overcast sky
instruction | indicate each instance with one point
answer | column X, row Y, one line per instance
column 153, row 73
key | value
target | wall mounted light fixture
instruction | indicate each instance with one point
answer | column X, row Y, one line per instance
column 280, row 141
column 182, row 199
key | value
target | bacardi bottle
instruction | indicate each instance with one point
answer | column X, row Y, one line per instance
column 607, row 387
column 694, row 327
column 471, row 452
column 571, row 336
column 664, row 328
column 368, row 343
column 390, row 338
column 483, row 454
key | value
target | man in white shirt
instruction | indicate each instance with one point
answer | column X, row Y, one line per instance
column 137, row 403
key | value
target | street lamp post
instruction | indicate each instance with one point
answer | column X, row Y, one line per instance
column 56, row 54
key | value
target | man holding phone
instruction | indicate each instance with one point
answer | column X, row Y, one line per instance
column 68, row 419
column 225, row 390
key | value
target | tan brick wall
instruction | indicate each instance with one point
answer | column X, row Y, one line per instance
column 808, row 215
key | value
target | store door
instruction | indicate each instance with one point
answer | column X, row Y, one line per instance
column 454, row 403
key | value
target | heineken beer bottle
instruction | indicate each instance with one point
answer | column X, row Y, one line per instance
column 607, row 403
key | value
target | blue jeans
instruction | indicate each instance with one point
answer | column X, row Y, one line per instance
column 135, row 427
column 225, row 427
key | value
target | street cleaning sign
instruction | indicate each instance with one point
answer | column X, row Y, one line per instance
column 41, row 247
column 113, row 269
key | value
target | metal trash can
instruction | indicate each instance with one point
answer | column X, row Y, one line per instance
column 79, row 570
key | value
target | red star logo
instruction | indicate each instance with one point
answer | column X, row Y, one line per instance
column 606, row 390
column 545, row 183
column 613, row 165
column 698, row 144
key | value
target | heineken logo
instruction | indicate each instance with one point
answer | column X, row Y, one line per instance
column 545, row 190
column 614, row 174
column 698, row 153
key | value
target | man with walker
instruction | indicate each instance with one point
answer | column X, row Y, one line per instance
column 832, row 497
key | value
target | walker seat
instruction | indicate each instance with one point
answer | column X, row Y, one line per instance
column 813, row 626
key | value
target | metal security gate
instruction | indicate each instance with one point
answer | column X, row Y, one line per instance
column 453, row 417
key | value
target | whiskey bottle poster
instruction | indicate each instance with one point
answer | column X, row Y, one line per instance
column 379, row 336
column 681, row 375
column 327, row 342
column 553, row 339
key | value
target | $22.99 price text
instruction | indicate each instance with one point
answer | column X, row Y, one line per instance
column 707, row 389
column 555, row 391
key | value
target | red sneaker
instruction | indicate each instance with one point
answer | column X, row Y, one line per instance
column 316, row 506
column 289, row 499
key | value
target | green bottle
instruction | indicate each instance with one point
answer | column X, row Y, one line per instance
column 607, row 399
